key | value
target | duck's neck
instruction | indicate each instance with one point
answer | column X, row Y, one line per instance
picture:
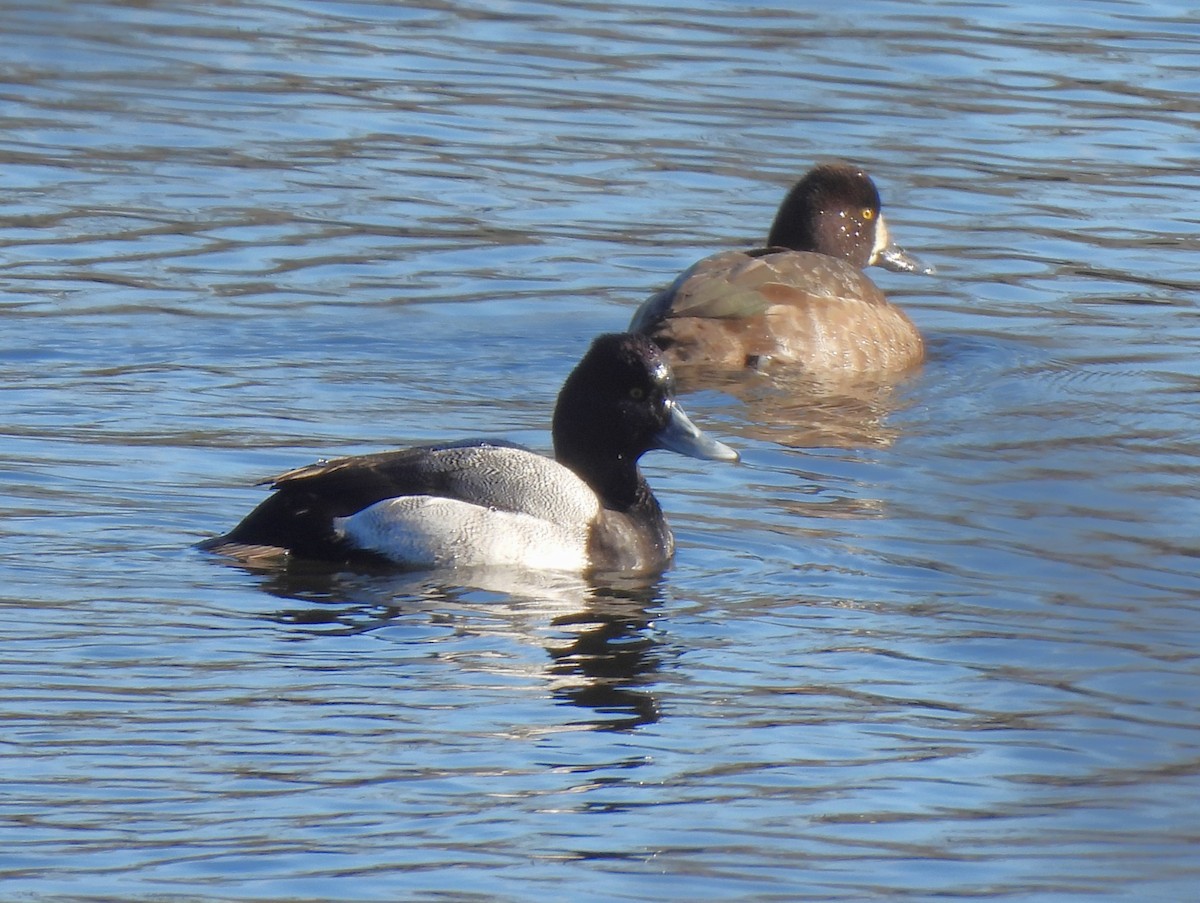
column 617, row 482
column 791, row 233
column 793, row 227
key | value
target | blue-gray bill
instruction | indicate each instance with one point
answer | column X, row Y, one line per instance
column 895, row 258
column 682, row 436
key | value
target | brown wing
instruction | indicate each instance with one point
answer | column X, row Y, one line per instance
column 793, row 307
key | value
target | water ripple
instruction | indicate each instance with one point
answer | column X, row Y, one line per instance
column 932, row 638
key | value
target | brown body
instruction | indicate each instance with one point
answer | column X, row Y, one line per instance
column 802, row 302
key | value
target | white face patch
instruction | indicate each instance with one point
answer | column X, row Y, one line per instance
column 882, row 240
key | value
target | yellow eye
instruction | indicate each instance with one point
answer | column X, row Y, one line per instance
column 868, row 214
column 637, row 393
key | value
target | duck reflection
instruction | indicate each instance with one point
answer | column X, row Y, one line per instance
column 607, row 655
column 802, row 410
column 597, row 632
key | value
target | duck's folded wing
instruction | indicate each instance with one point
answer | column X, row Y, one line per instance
column 495, row 475
column 743, row 284
column 301, row 514
column 716, row 287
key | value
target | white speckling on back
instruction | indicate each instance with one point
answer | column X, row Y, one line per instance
column 525, row 510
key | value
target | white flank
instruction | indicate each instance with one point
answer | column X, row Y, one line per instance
column 428, row 532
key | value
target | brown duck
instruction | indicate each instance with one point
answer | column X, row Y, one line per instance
column 802, row 301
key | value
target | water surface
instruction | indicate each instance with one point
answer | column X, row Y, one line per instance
column 932, row 639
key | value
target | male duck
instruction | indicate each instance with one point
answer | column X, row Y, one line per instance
column 480, row 503
column 803, row 300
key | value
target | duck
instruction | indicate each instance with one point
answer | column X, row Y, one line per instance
column 802, row 301
column 488, row 503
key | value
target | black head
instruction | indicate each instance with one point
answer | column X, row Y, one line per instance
column 619, row 403
column 833, row 210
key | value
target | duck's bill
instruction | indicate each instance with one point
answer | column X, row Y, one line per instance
column 891, row 256
column 684, row 437
column 896, row 259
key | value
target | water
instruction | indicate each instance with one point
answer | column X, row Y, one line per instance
column 930, row 640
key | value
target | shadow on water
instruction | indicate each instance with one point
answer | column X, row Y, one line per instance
column 597, row 632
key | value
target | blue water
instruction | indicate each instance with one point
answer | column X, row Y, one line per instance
column 931, row 640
